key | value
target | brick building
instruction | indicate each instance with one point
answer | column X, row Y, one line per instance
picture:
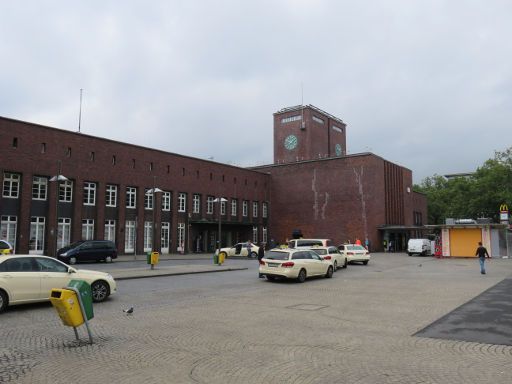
column 102, row 192
column 320, row 191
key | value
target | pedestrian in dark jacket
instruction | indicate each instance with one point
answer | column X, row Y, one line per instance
column 261, row 251
column 482, row 253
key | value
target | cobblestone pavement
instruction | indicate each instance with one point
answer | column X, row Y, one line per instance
column 354, row 328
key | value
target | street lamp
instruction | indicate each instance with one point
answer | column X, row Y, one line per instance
column 221, row 200
column 58, row 178
column 152, row 192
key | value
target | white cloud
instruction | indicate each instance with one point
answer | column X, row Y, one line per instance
column 424, row 84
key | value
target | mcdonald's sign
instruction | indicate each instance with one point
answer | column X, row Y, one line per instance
column 504, row 213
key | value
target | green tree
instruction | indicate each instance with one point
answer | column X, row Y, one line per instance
column 470, row 197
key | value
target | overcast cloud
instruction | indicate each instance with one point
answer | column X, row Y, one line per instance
column 425, row 84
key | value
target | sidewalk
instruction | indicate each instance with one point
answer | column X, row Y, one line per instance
column 168, row 256
column 143, row 272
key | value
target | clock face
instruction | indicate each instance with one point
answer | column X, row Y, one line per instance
column 338, row 149
column 290, row 142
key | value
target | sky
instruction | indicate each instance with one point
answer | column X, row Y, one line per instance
column 424, row 84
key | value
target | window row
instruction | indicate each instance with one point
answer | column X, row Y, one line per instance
column 8, row 227
column 11, row 189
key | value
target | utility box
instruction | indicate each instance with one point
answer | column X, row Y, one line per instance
column 152, row 258
column 155, row 257
column 65, row 301
column 85, row 291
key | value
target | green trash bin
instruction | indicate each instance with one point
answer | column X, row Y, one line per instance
column 85, row 291
column 215, row 259
column 148, row 258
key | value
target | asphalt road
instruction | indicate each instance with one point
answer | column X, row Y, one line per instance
column 233, row 327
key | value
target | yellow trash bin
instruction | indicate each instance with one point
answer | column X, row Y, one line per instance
column 154, row 257
column 222, row 255
column 65, row 301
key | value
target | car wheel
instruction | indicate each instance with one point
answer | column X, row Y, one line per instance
column 270, row 278
column 410, row 254
column 72, row 260
column 329, row 273
column 345, row 264
column 100, row 291
column 108, row 259
column 253, row 255
column 3, row 301
column 302, row 276
column 365, row 262
column 335, row 265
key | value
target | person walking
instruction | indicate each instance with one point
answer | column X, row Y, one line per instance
column 482, row 253
column 249, row 248
column 261, row 254
column 261, row 251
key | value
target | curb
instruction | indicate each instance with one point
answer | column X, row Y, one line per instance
column 144, row 274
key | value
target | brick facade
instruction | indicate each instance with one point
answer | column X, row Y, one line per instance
column 312, row 186
column 33, row 150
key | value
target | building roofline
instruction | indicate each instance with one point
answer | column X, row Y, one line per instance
column 274, row 165
column 124, row 143
column 300, row 107
column 477, row 225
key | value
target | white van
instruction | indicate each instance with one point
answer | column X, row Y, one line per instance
column 308, row 243
column 419, row 246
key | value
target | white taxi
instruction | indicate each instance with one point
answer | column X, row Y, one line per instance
column 241, row 249
column 339, row 260
column 30, row 278
column 294, row 264
column 355, row 252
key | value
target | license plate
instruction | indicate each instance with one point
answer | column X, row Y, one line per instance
column 273, row 264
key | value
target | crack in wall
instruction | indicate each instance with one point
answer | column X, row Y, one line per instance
column 359, row 177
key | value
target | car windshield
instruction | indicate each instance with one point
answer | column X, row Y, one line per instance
column 320, row 251
column 276, row 255
column 73, row 245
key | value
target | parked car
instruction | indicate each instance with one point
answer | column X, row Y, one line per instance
column 355, row 253
column 30, row 278
column 6, row 248
column 419, row 246
column 334, row 254
column 240, row 249
column 308, row 243
column 88, row 250
column 294, row 264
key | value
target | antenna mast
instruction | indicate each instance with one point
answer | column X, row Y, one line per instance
column 80, row 112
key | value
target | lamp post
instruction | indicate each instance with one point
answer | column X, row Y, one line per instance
column 219, row 200
column 152, row 192
column 58, row 178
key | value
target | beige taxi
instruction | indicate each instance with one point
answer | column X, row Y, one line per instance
column 339, row 260
column 355, row 253
column 30, row 278
column 296, row 264
column 241, row 249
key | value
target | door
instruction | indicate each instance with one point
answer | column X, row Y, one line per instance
column 36, row 242
column 129, row 239
column 21, row 279
column 8, row 230
column 165, row 237
column 53, row 275
column 464, row 241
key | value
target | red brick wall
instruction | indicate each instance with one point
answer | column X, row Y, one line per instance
column 175, row 173
column 340, row 199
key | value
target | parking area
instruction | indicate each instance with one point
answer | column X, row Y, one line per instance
column 358, row 327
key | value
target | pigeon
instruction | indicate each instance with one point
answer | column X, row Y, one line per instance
column 128, row 311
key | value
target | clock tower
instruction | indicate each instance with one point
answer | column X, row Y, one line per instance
column 305, row 132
